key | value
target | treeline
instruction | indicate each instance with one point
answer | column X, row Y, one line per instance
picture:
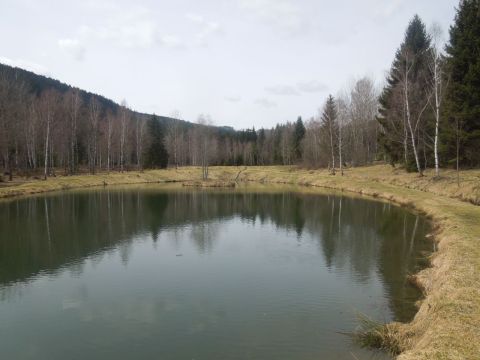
column 52, row 130
column 68, row 130
column 426, row 116
column 429, row 111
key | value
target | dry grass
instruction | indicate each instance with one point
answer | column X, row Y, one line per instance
column 210, row 183
column 28, row 187
column 376, row 335
column 447, row 325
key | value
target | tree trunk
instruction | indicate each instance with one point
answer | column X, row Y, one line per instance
column 437, row 79
column 331, row 147
column 46, row 148
column 458, row 151
column 409, row 121
column 340, row 147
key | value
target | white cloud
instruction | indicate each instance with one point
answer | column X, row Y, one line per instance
column 132, row 27
column 282, row 90
column 284, row 14
column 171, row 41
column 386, row 9
column 233, row 99
column 195, row 18
column 312, row 86
column 266, row 103
column 205, row 28
column 74, row 47
column 25, row 64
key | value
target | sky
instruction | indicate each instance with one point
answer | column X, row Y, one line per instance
column 244, row 63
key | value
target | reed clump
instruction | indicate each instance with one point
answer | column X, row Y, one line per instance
column 374, row 334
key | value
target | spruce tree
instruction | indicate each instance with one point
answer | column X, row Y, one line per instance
column 330, row 128
column 156, row 155
column 298, row 135
column 461, row 130
column 410, row 65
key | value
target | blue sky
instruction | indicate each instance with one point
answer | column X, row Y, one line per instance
column 244, row 62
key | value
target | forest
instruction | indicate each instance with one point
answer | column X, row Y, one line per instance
column 425, row 115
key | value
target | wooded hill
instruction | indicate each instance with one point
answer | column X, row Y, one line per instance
column 37, row 84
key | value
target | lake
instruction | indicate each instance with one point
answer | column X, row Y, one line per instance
column 164, row 272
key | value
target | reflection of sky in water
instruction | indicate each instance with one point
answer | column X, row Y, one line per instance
column 275, row 283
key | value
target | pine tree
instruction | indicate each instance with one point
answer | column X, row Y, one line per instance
column 156, row 155
column 403, row 101
column 298, row 135
column 330, row 128
column 391, row 138
column 461, row 132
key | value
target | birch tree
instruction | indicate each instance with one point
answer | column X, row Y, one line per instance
column 123, row 130
column 413, row 118
column 74, row 104
column 48, row 105
column 94, row 117
column 343, row 110
column 437, row 75
column 109, row 134
column 406, row 97
column 203, row 134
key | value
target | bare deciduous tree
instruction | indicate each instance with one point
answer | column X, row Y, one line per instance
column 437, row 75
column 173, row 137
column 94, row 117
column 123, row 130
column 48, row 106
column 343, row 105
column 74, row 104
column 203, row 134
column 413, row 115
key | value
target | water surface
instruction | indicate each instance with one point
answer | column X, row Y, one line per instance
column 166, row 273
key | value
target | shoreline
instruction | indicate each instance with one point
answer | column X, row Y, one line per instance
column 447, row 324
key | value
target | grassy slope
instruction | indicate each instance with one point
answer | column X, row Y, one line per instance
column 447, row 325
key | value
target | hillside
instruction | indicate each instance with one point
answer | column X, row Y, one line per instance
column 46, row 124
column 38, row 83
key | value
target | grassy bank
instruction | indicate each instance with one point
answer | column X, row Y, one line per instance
column 22, row 187
column 447, row 325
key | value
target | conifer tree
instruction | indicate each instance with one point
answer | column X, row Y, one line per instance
column 404, row 100
column 461, row 132
column 156, row 155
column 330, row 128
column 298, row 135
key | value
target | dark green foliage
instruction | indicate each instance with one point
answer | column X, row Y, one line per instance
column 462, row 98
column 330, row 129
column 390, row 118
column 410, row 63
column 156, row 155
column 329, row 115
column 298, row 135
column 277, row 138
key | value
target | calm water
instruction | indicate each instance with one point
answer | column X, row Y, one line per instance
column 161, row 273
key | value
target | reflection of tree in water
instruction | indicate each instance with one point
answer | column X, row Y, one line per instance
column 204, row 235
column 368, row 238
column 361, row 237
